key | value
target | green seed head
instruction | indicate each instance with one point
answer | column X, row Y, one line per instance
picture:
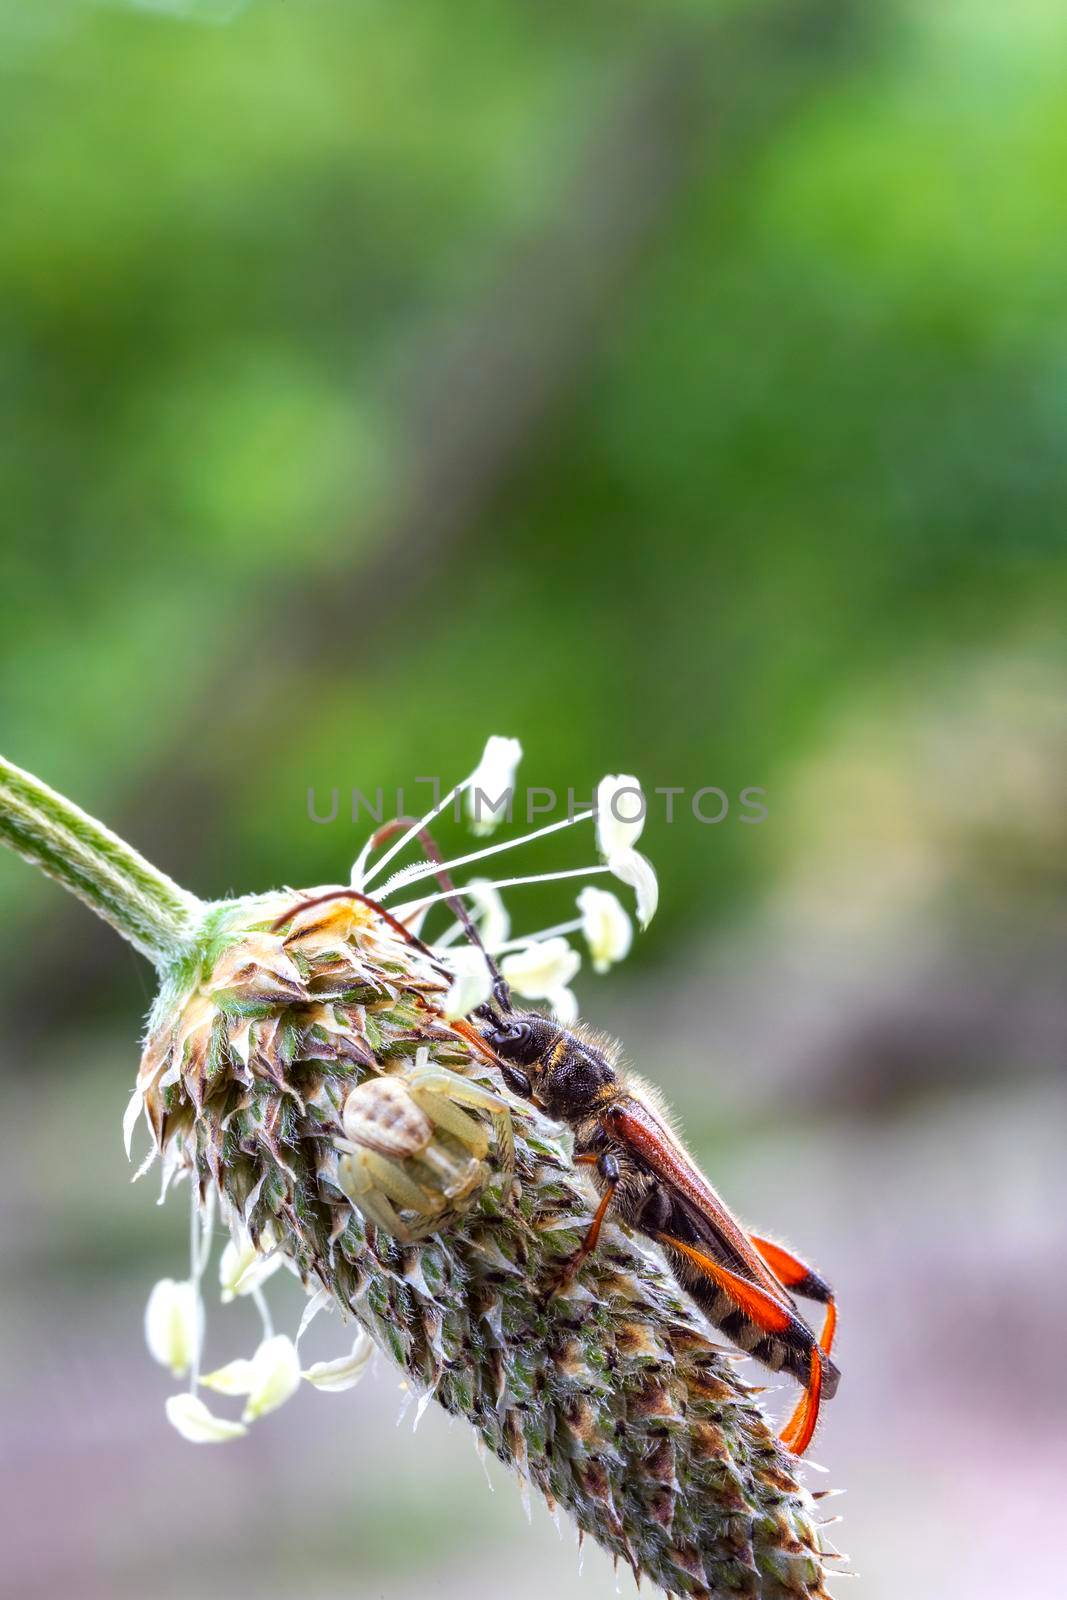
column 308, row 1078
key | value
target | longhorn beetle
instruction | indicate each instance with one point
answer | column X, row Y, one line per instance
column 745, row 1284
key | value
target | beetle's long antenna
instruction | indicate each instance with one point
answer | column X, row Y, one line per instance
column 365, row 899
column 432, row 850
column 433, row 853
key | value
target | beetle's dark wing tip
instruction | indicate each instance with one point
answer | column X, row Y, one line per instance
column 831, row 1377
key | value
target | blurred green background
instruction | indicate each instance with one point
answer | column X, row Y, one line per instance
column 682, row 389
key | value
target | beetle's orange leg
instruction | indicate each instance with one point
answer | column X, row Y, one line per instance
column 589, row 1243
column 609, row 1169
column 802, row 1280
column 769, row 1314
column 797, row 1276
column 798, row 1431
column 772, row 1316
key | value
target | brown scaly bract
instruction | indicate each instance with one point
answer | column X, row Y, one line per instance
column 609, row 1398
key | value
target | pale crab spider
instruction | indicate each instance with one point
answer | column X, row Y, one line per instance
column 408, row 1146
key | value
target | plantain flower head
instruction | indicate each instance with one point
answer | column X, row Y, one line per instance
column 317, row 1081
column 174, row 1325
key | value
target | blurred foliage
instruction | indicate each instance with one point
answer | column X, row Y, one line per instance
column 814, row 440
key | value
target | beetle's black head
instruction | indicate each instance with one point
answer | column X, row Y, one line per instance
column 522, row 1038
column 522, row 1041
column 541, row 1058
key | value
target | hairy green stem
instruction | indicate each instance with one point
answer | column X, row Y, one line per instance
column 151, row 911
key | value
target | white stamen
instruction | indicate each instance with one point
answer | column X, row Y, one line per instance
column 174, row 1325
column 488, row 911
column 492, row 784
column 564, row 1003
column 450, row 935
column 502, row 883
column 275, row 1377
column 603, row 920
column 191, row 1417
column 242, row 1268
column 608, row 930
column 618, row 821
column 318, row 1302
column 633, row 869
column 358, row 875
column 406, row 875
column 334, row 1376
column 540, row 971
column 130, row 1119
column 472, row 984
column 525, row 939
column 499, row 756
column 412, row 833
column 259, row 1300
column 200, row 1224
column 234, row 1378
column 269, row 1379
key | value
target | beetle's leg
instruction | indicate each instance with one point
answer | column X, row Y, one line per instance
column 773, row 1316
column 802, row 1280
column 798, row 1431
column 608, row 1168
column 593, row 1148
